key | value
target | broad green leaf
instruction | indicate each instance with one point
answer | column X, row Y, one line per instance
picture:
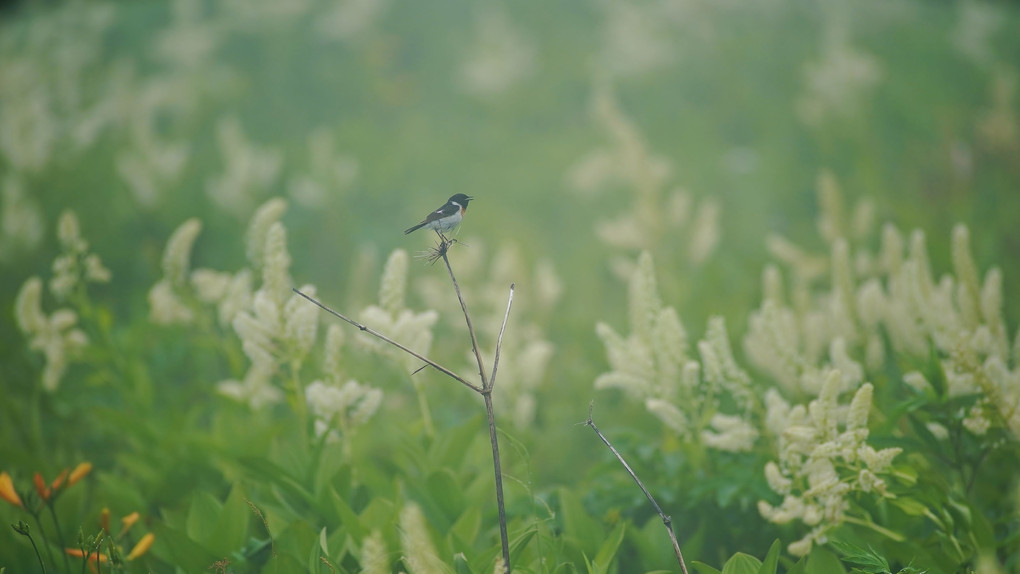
column 231, row 526
column 203, row 514
column 297, row 540
column 178, row 548
column 741, row 563
column 347, row 515
column 448, row 496
column 704, row 568
column 607, row 551
column 467, row 526
column 450, row 447
column 822, row 561
column 577, row 524
column 771, row 562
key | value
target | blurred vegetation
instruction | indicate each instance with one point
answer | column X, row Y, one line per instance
column 139, row 116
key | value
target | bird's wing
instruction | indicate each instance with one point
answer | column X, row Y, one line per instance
column 444, row 211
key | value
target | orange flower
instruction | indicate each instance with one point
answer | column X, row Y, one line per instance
column 7, row 491
column 59, row 481
column 142, row 547
column 104, row 520
column 79, row 473
column 40, row 487
column 93, row 557
column 128, row 521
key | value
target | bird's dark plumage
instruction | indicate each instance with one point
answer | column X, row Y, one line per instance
column 446, row 217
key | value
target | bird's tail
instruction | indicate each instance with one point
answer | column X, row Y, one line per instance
column 415, row 228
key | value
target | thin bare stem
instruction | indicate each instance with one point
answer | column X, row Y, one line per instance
column 499, row 341
column 498, row 471
column 487, row 396
column 467, row 317
column 666, row 520
column 382, row 337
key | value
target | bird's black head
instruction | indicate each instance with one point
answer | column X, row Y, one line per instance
column 460, row 199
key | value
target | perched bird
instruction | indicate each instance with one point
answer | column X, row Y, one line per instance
column 446, row 217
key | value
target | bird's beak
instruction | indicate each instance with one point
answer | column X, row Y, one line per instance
column 470, row 198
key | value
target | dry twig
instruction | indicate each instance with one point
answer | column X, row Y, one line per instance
column 666, row 520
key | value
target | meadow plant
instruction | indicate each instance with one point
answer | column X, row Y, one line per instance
column 56, row 335
column 657, row 214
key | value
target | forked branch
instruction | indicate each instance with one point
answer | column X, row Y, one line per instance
column 666, row 520
column 485, row 389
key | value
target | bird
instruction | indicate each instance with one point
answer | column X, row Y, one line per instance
column 446, row 217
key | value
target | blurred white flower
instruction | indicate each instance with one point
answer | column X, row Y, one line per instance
column 249, row 171
column 838, row 84
column 21, row 222
column 347, row 19
column 54, row 336
column 499, row 57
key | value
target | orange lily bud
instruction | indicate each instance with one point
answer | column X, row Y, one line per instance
column 7, row 491
column 104, row 520
column 128, row 521
column 79, row 473
column 142, row 547
column 59, row 481
column 93, row 557
column 40, row 486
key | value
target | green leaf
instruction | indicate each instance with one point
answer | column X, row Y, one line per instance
column 347, row 516
column 176, row 547
column 704, row 568
column 467, row 526
column 771, row 562
column 741, row 563
column 865, row 559
column 799, row 568
column 585, row 531
column 911, row 506
column 202, row 516
column 231, row 525
column 822, row 561
column 446, row 493
column 604, row 557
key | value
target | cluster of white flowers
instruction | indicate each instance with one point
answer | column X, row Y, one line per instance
column 42, row 68
column 837, row 84
column 899, row 299
column 652, row 364
column 420, row 554
column 249, row 173
column 337, row 406
column 277, row 328
column 75, row 265
column 329, row 172
column 374, row 559
column 628, row 164
column 392, row 318
column 500, row 57
column 345, row 407
column 822, row 459
column 55, row 335
column 173, row 300
column 485, row 279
